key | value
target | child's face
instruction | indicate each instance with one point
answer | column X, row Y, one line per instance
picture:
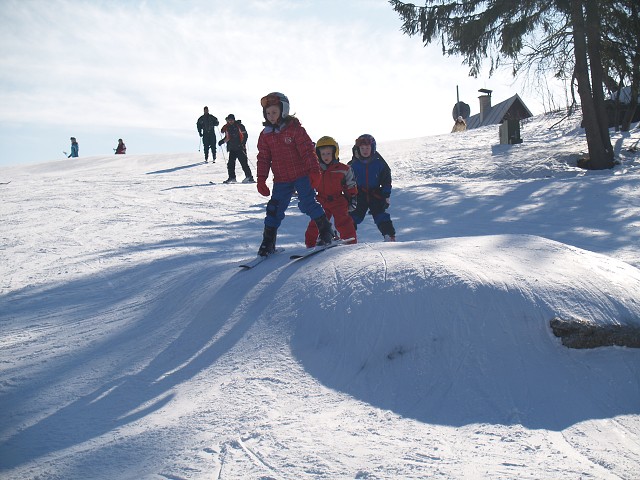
column 365, row 150
column 273, row 113
column 326, row 154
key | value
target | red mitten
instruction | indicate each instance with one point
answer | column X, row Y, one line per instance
column 316, row 179
column 262, row 187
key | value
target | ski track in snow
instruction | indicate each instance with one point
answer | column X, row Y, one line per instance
column 133, row 347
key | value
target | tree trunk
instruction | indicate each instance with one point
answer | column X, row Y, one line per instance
column 631, row 111
column 635, row 75
column 599, row 157
column 635, row 91
column 594, row 47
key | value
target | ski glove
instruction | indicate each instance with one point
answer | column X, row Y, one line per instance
column 262, row 187
column 316, row 180
column 353, row 203
column 221, row 142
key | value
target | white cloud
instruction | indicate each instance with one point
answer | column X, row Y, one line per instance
column 346, row 67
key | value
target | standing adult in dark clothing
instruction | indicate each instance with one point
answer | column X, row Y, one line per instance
column 235, row 136
column 206, row 129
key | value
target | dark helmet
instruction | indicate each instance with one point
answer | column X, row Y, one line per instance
column 366, row 139
column 328, row 142
column 276, row 98
column 231, row 116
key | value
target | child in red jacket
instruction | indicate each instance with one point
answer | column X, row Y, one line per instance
column 284, row 148
column 337, row 192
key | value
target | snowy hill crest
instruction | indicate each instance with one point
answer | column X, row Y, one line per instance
column 133, row 347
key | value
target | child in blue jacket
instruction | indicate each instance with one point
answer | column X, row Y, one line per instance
column 373, row 177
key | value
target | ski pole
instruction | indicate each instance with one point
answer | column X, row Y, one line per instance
column 249, row 161
column 199, row 143
column 221, row 150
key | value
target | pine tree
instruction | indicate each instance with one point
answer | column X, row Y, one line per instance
column 502, row 30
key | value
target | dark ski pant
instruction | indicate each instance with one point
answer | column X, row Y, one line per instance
column 244, row 163
column 281, row 196
column 377, row 208
column 209, row 142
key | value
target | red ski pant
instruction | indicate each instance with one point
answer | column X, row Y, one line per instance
column 339, row 211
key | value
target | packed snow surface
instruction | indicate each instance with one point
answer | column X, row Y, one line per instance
column 133, row 347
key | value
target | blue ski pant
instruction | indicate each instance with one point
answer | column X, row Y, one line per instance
column 281, row 197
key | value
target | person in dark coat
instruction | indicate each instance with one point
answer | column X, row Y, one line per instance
column 235, row 136
column 373, row 177
column 206, row 129
column 121, row 149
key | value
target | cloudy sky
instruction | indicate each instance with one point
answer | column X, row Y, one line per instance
column 143, row 70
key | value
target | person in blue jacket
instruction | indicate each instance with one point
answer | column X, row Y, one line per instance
column 74, row 148
column 373, row 177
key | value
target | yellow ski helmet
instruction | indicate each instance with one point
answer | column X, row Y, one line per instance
column 328, row 142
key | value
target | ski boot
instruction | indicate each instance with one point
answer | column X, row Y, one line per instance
column 325, row 236
column 268, row 245
column 387, row 231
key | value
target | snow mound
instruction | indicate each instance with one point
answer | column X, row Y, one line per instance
column 457, row 332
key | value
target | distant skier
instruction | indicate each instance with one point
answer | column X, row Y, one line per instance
column 74, row 148
column 121, row 149
column 337, row 192
column 459, row 126
column 235, row 136
column 206, row 129
column 373, row 177
column 284, row 147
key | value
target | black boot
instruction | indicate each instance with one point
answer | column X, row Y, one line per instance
column 268, row 245
column 387, row 231
column 325, row 231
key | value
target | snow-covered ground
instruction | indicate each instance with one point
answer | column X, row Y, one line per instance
column 133, row 347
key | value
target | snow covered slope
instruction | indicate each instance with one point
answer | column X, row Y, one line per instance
column 132, row 346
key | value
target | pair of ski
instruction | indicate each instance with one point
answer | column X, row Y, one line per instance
column 232, row 183
column 298, row 256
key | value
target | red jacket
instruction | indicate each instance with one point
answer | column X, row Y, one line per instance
column 288, row 152
column 338, row 183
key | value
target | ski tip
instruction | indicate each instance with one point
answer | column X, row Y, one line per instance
column 321, row 248
column 258, row 259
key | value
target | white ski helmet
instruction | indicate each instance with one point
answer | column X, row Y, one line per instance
column 276, row 98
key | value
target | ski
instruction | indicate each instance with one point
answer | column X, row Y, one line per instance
column 232, row 183
column 258, row 259
column 322, row 248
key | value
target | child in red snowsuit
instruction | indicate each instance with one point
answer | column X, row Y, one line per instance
column 337, row 192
